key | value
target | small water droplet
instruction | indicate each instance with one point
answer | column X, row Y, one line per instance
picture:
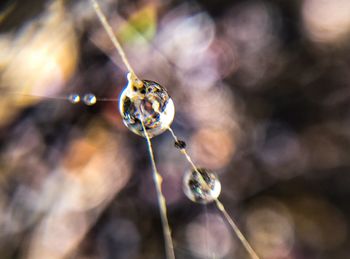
column 154, row 108
column 73, row 98
column 202, row 187
column 89, row 99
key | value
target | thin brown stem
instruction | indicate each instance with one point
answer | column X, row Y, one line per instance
column 238, row 232
column 111, row 35
column 219, row 205
column 157, row 179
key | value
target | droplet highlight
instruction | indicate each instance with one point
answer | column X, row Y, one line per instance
column 89, row 99
column 201, row 186
column 73, row 98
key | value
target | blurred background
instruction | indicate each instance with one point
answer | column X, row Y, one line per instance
column 261, row 90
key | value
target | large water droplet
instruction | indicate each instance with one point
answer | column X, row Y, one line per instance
column 150, row 104
column 201, row 186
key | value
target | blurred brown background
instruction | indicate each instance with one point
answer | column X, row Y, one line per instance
column 261, row 90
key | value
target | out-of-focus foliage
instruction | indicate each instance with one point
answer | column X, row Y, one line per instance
column 262, row 97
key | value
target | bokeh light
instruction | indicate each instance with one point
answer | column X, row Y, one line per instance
column 327, row 21
column 261, row 93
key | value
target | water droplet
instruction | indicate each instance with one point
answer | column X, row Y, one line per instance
column 73, row 98
column 150, row 104
column 203, row 188
column 89, row 99
column 180, row 144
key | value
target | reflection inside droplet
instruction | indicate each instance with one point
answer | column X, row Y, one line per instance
column 150, row 104
column 197, row 190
